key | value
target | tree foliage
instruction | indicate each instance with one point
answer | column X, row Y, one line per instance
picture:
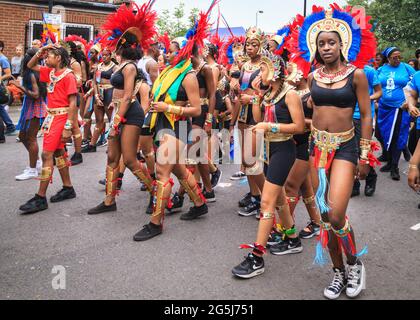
column 175, row 23
column 395, row 22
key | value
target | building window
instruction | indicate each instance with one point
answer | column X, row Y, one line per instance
column 83, row 30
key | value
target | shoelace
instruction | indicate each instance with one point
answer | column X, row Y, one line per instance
column 353, row 276
column 337, row 282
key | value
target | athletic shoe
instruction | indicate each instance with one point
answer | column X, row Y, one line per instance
column 2, row 140
column 356, row 188
column 274, row 238
column 85, row 142
column 17, row 139
column 177, row 203
column 11, row 133
column 395, row 173
column 406, row 153
column 143, row 187
column 356, row 279
column 337, row 285
column 251, row 267
column 370, row 186
column 250, row 210
column 76, row 159
column 102, row 182
column 69, row 143
column 102, row 141
column 313, row 230
column 27, row 174
column 195, row 212
column 246, row 200
column 210, row 197
column 88, row 148
column 35, row 204
column 238, row 176
column 101, row 208
column 64, row 194
column 287, row 246
column 149, row 231
column 216, row 177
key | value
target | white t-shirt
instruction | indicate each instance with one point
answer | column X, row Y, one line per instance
column 142, row 66
column 16, row 63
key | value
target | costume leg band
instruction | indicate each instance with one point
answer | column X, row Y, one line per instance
column 62, row 162
column 309, row 200
column 112, row 177
column 46, row 174
column 266, row 215
column 162, row 194
column 345, row 240
column 77, row 136
column 292, row 199
column 144, row 176
column 191, row 187
column 322, row 244
column 260, row 249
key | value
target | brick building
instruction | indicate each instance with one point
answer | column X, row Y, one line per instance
column 21, row 21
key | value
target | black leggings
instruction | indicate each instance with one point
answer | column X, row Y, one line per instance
column 282, row 157
column 1, row 129
column 395, row 153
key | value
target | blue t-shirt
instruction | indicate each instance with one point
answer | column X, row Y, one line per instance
column 393, row 81
column 4, row 63
column 373, row 81
column 414, row 85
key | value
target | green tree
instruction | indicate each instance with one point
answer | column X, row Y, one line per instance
column 175, row 22
column 396, row 23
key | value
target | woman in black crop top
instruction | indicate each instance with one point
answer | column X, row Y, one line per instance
column 126, row 126
column 169, row 123
column 283, row 117
column 299, row 178
column 103, row 97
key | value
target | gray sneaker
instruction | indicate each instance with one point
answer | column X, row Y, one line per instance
column 356, row 279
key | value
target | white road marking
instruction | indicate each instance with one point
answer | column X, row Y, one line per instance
column 224, row 185
column 416, row 227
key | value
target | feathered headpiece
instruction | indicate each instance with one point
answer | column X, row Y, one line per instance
column 78, row 40
column 232, row 50
column 275, row 64
column 48, row 37
column 131, row 25
column 281, row 38
column 196, row 35
column 165, row 41
column 359, row 43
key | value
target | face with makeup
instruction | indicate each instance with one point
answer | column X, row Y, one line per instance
column 252, row 48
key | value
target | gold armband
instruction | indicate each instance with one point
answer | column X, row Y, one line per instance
column 365, row 148
column 412, row 166
column 177, row 110
column 209, row 118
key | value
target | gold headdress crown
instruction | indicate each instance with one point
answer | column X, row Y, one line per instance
column 329, row 24
column 254, row 33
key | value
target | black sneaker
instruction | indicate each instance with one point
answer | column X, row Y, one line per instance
column 251, row 267
column 210, row 197
column 177, row 203
column 356, row 188
column 2, row 140
column 102, row 182
column 395, row 173
column 149, row 231
column 274, row 238
column 287, row 246
column 216, row 177
column 386, row 168
column 250, row 210
column 88, row 149
column 313, row 230
column 101, row 208
column 35, row 204
column 238, row 176
column 407, row 155
column 195, row 212
column 149, row 209
column 64, row 194
column 76, row 159
column 143, row 187
column 337, row 285
column 85, row 142
column 246, row 200
column 356, row 279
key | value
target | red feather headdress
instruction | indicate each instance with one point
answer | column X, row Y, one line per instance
column 139, row 21
column 165, row 41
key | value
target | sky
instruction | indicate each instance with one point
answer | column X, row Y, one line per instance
column 243, row 12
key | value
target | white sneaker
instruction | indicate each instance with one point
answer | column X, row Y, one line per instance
column 356, row 279
column 27, row 174
column 39, row 166
column 337, row 285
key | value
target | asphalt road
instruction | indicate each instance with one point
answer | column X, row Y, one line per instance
column 190, row 260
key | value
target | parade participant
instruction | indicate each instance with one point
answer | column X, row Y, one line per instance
column 299, row 178
column 176, row 96
column 283, row 117
column 76, row 67
column 334, row 39
column 127, row 32
column 375, row 92
column 254, row 45
column 149, row 65
column 89, row 96
column 393, row 121
column 62, row 113
column 103, row 96
column 34, row 110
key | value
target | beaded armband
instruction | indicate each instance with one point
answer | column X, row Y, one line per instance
column 177, row 110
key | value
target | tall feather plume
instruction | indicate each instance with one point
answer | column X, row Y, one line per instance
column 166, row 41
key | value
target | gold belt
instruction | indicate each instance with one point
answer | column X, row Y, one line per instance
column 57, row 111
column 204, row 101
column 325, row 138
column 277, row 136
column 105, row 86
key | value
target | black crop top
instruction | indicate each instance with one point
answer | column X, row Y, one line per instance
column 307, row 111
column 117, row 78
column 344, row 97
column 201, row 80
column 107, row 74
column 282, row 111
column 246, row 78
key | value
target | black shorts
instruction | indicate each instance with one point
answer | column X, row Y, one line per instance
column 134, row 114
column 302, row 146
column 107, row 96
column 282, row 157
column 201, row 119
column 220, row 105
column 347, row 151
